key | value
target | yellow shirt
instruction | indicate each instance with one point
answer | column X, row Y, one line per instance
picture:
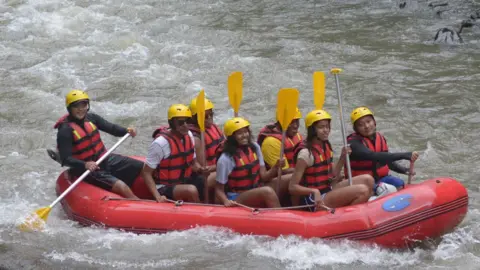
column 271, row 152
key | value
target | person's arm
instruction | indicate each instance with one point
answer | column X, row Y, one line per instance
column 337, row 171
column 266, row 176
column 361, row 152
column 271, row 148
column 106, row 126
column 154, row 157
column 303, row 160
column 225, row 166
column 65, row 144
column 397, row 167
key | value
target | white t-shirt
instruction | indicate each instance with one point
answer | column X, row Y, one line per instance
column 160, row 149
column 226, row 164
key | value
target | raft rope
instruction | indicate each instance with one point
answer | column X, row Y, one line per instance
column 254, row 210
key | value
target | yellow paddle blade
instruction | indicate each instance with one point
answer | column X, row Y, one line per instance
column 201, row 110
column 287, row 101
column 318, row 89
column 235, row 90
column 35, row 221
column 336, row 70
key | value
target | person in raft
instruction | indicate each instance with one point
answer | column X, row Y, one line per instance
column 240, row 168
column 315, row 180
column 79, row 146
column 171, row 159
column 370, row 151
column 213, row 138
column 270, row 140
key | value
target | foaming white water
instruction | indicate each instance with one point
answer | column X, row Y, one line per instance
column 140, row 263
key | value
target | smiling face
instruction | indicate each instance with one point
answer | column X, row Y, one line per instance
column 292, row 129
column 322, row 129
column 79, row 109
column 180, row 124
column 366, row 126
column 208, row 118
column 242, row 136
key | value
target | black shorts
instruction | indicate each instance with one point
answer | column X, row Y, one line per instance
column 196, row 180
column 166, row 191
column 310, row 199
column 114, row 168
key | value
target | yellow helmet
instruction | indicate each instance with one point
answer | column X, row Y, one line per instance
column 316, row 115
column 178, row 110
column 359, row 113
column 233, row 125
column 298, row 114
column 74, row 96
column 193, row 105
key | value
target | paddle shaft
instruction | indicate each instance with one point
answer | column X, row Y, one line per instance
column 87, row 172
column 204, row 163
column 282, row 150
column 410, row 172
column 342, row 122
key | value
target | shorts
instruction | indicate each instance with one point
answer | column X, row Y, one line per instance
column 199, row 182
column 232, row 196
column 166, row 191
column 114, row 168
column 310, row 199
column 392, row 180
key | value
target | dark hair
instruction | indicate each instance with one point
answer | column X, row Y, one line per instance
column 193, row 120
column 311, row 135
column 231, row 145
column 171, row 124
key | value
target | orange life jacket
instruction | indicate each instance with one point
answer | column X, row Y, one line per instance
column 87, row 144
column 246, row 174
column 176, row 168
column 370, row 167
column 212, row 139
column 319, row 174
column 271, row 130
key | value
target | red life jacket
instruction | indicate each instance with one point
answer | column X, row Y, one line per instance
column 246, row 174
column 271, row 130
column 368, row 166
column 319, row 174
column 176, row 168
column 87, row 144
column 212, row 139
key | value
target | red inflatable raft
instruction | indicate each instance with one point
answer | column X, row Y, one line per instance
column 416, row 213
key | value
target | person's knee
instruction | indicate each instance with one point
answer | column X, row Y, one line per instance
column 364, row 190
column 191, row 190
column 369, row 180
column 269, row 192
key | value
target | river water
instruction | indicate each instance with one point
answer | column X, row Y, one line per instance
column 137, row 57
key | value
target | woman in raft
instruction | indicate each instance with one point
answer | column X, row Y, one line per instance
column 314, row 179
column 240, row 169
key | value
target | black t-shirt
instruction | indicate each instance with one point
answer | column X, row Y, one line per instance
column 65, row 137
column 361, row 152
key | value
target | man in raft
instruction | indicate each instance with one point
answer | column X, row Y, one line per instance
column 171, row 159
column 79, row 145
column 213, row 138
column 240, row 169
column 315, row 179
column 370, row 151
column 270, row 140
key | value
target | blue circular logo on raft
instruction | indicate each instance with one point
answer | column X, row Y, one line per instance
column 397, row 203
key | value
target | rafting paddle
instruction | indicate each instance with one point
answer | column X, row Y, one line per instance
column 410, row 172
column 335, row 72
column 235, row 90
column 201, row 124
column 287, row 101
column 318, row 89
column 37, row 219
